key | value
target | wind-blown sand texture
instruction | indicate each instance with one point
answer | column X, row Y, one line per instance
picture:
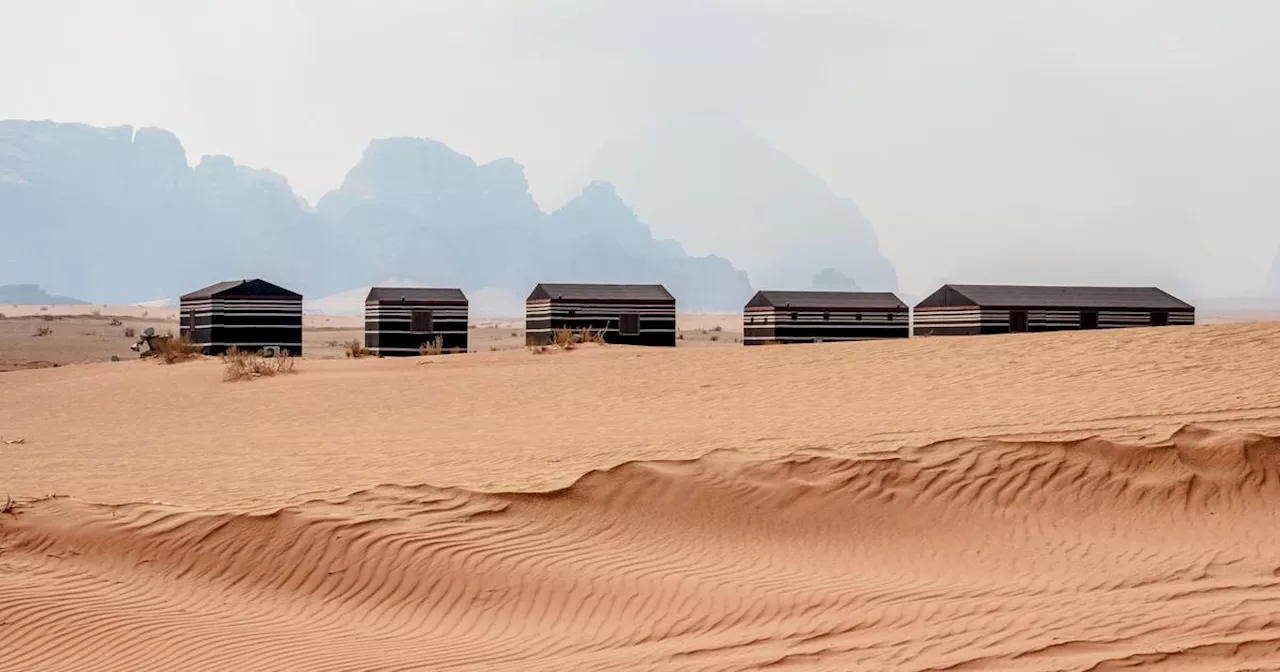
column 1077, row 501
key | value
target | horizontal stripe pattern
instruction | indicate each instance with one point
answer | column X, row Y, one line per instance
column 972, row 320
column 388, row 327
column 215, row 324
column 656, row 321
column 791, row 325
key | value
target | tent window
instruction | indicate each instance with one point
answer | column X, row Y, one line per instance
column 794, row 316
column 421, row 322
column 629, row 324
column 857, row 316
column 826, row 316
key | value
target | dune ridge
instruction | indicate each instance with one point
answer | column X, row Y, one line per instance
column 978, row 554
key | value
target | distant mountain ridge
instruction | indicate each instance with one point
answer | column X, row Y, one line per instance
column 117, row 214
column 33, row 295
column 717, row 185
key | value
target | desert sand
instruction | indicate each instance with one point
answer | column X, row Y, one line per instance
column 1071, row 501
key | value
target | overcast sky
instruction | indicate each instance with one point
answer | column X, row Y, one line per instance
column 975, row 135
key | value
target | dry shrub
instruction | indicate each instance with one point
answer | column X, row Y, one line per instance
column 1, row 316
column 539, row 349
column 680, row 336
column 430, row 349
column 174, row 349
column 355, row 348
column 115, row 323
column 48, row 318
column 44, row 307
column 563, row 339
column 95, row 312
column 715, row 337
column 718, row 328
column 568, row 339
column 240, row 365
column 129, row 332
column 515, row 333
column 42, row 331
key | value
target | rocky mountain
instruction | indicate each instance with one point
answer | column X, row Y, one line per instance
column 116, row 214
column 716, row 186
column 33, row 295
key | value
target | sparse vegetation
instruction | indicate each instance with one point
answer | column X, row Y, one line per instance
column 95, row 312
column 680, row 336
column 514, row 333
column 718, row 328
column 43, row 331
column 174, row 349
column 355, row 349
column 129, row 332
column 332, row 344
column 115, row 323
column 115, row 358
column 568, row 339
column 239, row 365
column 144, row 314
column 8, row 506
column 48, row 318
column 715, row 337
column 44, row 308
column 433, row 348
column 88, row 333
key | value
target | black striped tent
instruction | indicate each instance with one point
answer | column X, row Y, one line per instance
column 1000, row 309
column 629, row 314
column 252, row 315
column 401, row 320
column 815, row 317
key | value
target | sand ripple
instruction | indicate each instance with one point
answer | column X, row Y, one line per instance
column 963, row 555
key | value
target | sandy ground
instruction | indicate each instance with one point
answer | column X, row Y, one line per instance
column 83, row 334
column 1072, row 501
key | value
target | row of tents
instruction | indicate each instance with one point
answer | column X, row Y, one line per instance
column 258, row 315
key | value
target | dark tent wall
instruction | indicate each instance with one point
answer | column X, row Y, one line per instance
column 814, row 317
column 400, row 321
column 624, row 314
column 1001, row 309
column 251, row 315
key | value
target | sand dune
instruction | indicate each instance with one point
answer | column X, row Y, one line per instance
column 1088, row 501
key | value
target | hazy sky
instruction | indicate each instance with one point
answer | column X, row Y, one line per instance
column 979, row 137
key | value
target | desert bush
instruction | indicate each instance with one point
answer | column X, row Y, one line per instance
column 48, row 318
column 43, row 331
column 95, row 312
column 144, row 314
column 680, row 336
column 433, row 348
column 174, row 349
column 129, row 332
column 355, row 348
column 115, row 323
column 44, row 307
column 715, row 337
column 718, row 328
column 332, row 344
column 240, row 365
column 568, row 339
column 115, row 358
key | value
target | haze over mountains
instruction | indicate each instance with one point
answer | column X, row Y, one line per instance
column 118, row 215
